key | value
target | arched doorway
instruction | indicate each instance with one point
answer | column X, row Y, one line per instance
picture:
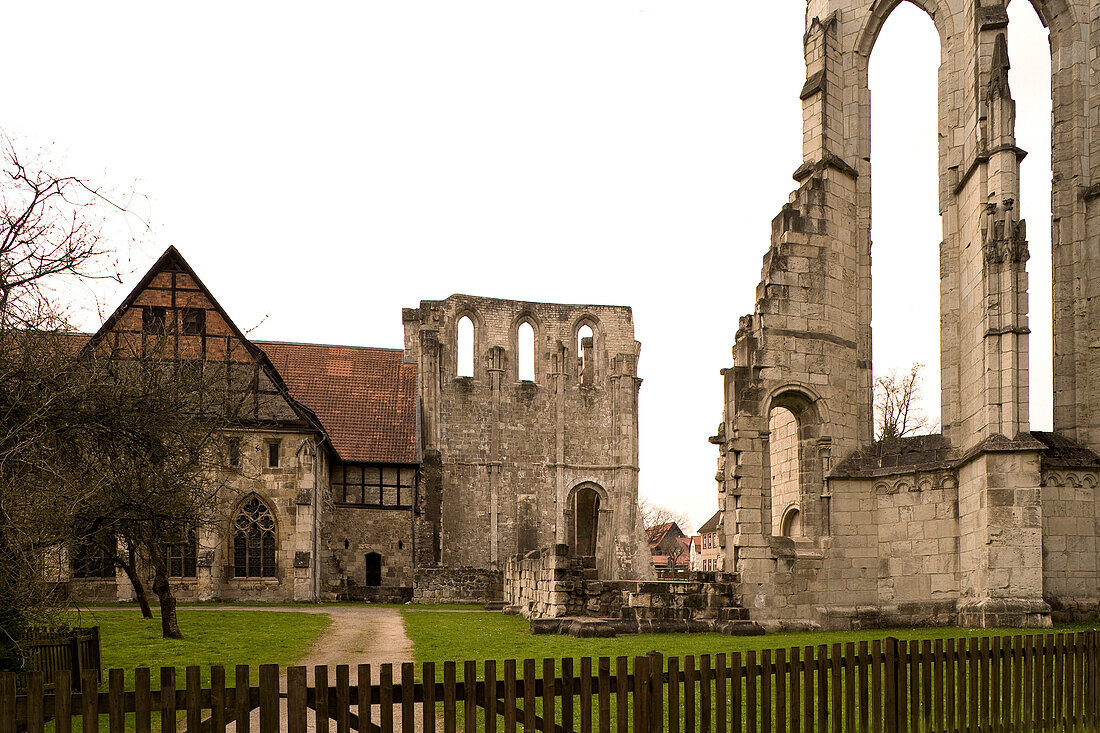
column 588, row 525
column 586, row 520
column 373, row 563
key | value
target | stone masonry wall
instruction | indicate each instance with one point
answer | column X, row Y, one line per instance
column 783, row 443
column 514, row 453
column 979, row 549
column 1071, row 543
column 457, row 585
column 548, row 583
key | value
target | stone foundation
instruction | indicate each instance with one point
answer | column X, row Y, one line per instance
column 457, row 585
column 560, row 593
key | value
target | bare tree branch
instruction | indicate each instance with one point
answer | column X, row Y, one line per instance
column 897, row 405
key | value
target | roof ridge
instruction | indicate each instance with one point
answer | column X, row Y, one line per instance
column 329, row 346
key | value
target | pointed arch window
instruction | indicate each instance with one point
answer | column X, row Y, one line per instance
column 254, row 541
column 586, row 357
column 525, row 347
column 465, row 346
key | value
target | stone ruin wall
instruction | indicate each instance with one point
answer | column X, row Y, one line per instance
column 985, row 527
column 512, row 455
column 457, row 585
column 554, row 589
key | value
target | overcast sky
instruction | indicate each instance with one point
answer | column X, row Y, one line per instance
column 323, row 165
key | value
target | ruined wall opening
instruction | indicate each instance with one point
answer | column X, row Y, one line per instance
column 1030, row 82
column 906, row 224
column 464, row 341
column 525, row 348
column 586, row 354
column 783, row 450
column 586, row 518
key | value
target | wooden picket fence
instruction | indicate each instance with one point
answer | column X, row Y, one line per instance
column 50, row 650
column 1018, row 683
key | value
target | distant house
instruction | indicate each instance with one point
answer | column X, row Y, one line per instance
column 669, row 547
column 694, row 550
column 709, row 556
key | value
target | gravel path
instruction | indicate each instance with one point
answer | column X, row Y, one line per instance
column 357, row 635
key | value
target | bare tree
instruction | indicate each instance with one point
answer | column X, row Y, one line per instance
column 151, row 453
column 90, row 445
column 51, row 238
column 654, row 514
column 897, row 405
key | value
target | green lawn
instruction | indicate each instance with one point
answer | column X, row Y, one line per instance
column 490, row 635
column 210, row 638
column 479, row 636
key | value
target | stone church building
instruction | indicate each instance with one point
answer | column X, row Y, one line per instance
column 370, row 473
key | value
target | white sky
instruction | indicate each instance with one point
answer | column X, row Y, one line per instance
column 323, row 165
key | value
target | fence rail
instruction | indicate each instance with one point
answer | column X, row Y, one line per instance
column 1017, row 683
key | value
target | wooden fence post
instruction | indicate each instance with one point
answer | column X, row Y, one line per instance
column 1093, row 677
column 74, row 660
column 7, row 702
column 656, row 692
column 890, row 646
column 296, row 699
column 640, row 694
column 269, row 698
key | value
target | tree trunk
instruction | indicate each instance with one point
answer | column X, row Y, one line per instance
column 13, row 620
column 131, row 570
column 169, row 626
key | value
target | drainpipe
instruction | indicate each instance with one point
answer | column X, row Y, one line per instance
column 316, row 548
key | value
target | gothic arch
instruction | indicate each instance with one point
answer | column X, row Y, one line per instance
column 588, row 519
column 880, row 11
column 1057, row 15
column 466, row 311
column 799, row 399
column 597, row 345
column 808, row 411
column 254, row 538
column 531, row 319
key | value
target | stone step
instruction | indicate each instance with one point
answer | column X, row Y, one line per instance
column 495, row 605
column 733, row 613
column 740, row 628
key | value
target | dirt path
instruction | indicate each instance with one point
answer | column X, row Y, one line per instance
column 357, row 635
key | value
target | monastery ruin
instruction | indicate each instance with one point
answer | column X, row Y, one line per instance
column 508, row 468
column 388, row 474
column 989, row 523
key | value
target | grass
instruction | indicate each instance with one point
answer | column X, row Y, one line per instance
column 440, row 637
column 243, row 605
column 482, row 636
column 210, row 638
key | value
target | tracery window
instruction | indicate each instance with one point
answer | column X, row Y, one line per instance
column 254, row 541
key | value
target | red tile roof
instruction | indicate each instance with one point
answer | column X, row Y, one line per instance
column 365, row 398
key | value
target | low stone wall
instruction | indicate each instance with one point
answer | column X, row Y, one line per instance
column 457, row 585
column 547, row 585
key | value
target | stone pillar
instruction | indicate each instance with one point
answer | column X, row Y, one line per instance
column 1001, row 543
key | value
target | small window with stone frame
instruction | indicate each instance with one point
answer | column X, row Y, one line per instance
column 273, row 454
column 234, row 452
